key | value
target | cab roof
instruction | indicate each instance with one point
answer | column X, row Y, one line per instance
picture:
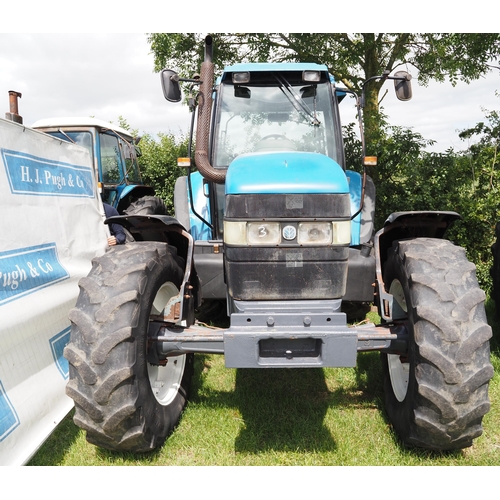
column 80, row 122
column 274, row 67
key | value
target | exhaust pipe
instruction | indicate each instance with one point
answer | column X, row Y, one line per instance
column 13, row 115
column 204, row 113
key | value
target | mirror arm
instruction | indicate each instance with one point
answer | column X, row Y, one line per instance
column 384, row 76
column 176, row 78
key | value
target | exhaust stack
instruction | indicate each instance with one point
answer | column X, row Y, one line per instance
column 13, row 115
column 204, row 112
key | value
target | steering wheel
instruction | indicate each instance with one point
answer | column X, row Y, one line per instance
column 275, row 142
column 274, row 136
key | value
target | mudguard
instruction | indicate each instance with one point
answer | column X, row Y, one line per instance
column 169, row 230
column 400, row 226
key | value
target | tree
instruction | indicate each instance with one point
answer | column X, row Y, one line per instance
column 159, row 164
column 352, row 58
column 481, row 195
column 158, row 161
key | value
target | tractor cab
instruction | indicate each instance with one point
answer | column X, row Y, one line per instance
column 269, row 107
column 114, row 153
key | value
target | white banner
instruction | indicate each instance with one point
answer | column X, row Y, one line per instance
column 51, row 227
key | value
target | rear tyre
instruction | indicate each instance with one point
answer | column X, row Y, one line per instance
column 437, row 393
column 147, row 205
column 123, row 400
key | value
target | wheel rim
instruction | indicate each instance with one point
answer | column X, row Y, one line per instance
column 165, row 381
column 399, row 307
column 398, row 371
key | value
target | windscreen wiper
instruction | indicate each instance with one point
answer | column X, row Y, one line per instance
column 296, row 101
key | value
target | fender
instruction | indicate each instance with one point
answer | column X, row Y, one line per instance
column 400, row 226
column 169, row 230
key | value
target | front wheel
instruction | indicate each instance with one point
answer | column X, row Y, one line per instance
column 437, row 392
column 126, row 397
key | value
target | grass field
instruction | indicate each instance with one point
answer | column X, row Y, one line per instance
column 300, row 417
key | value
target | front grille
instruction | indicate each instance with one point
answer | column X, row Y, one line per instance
column 288, row 206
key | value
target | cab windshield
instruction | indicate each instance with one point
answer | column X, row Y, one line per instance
column 275, row 116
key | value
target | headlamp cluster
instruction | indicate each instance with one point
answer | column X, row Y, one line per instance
column 243, row 233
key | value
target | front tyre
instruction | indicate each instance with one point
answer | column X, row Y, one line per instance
column 437, row 392
column 123, row 400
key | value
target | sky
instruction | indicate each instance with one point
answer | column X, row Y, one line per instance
column 111, row 75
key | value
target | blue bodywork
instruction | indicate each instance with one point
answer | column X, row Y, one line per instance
column 355, row 190
column 285, row 173
column 279, row 173
column 198, row 229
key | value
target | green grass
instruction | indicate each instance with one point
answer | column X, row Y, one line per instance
column 300, row 417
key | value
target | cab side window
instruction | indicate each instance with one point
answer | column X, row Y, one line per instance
column 110, row 159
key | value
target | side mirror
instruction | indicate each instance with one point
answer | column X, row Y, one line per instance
column 170, row 85
column 402, row 85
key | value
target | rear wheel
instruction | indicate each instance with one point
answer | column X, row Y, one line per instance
column 437, row 392
column 147, row 205
column 125, row 398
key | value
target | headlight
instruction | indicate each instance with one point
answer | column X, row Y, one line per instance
column 314, row 233
column 241, row 77
column 242, row 233
column 263, row 233
column 311, row 76
column 251, row 233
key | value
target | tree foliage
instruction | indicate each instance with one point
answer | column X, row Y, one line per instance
column 158, row 164
column 158, row 161
column 352, row 58
column 465, row 182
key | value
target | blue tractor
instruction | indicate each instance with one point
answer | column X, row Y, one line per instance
column 274, row 223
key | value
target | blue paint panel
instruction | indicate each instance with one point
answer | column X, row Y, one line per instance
column 199, row 230
column 57, row 345
column 8, row 416
column 285, row 173
column 355, row 187
column 28, row 174
column 26, row 270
